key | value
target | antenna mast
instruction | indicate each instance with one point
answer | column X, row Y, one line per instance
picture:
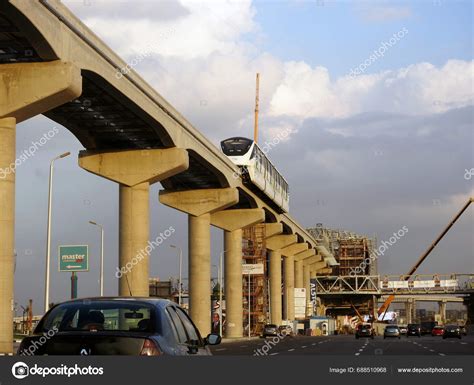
column 255, row 128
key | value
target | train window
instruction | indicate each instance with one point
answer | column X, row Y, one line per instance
column 236, row 146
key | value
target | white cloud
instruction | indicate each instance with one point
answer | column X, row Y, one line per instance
column 196, row 29
column 418, row 89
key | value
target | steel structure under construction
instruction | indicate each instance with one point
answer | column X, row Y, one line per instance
column 349, row 249
column 255, row 286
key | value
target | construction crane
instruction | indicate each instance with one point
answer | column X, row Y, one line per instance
column 386, row 304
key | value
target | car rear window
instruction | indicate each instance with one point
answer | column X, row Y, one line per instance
column 126, row 316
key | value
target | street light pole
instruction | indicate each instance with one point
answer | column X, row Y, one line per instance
column 180, row 271
column 101, row 282
column 48, row 235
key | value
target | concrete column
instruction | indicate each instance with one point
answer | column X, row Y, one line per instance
column 442, row 311
column 409, row 310
column 233, row 283
column 134, row 231
column 275, row 287
column 289, row 293
column 299, row 279
column 307, row 283
column 199, row 244
column 7, row 232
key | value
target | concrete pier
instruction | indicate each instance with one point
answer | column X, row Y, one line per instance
column 7, row 233
column 199, row 244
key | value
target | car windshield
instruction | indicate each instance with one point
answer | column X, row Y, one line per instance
column 392, row 328
column 90, row 315
column 270, row 326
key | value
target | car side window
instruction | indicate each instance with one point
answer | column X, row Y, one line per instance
column 193, row 334
column 178, row 325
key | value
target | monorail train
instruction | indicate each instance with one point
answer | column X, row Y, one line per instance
column 257, row 169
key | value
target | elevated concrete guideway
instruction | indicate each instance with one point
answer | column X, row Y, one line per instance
column 54, row 65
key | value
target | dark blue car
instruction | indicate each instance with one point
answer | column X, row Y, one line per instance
column 117, row 326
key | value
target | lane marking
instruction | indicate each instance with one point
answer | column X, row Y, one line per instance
column 441, row 354
column 304, row 346
column 313, row 344
column 357, row 354
column 243, row 346
column 218, row 350
column 290, row 350
column 431, row 350
column 463, row 343
column 273, row 354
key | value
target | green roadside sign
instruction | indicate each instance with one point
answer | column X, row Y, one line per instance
column 74, row 258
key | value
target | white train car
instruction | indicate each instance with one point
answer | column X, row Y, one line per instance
column 257, row 169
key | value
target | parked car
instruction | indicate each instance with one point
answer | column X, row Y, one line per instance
column 403, row 329
column 437, row 331
column 364, row 330
column 285, row 329
column 414, row 330
column 270, row 330
column 391, row 331
column 452, row 331
column 117, row 326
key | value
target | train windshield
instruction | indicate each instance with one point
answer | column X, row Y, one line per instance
column 236, row 146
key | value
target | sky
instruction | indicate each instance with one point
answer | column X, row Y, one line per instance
column 377, row 95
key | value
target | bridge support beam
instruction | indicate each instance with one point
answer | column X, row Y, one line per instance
column 289, row 278
column 410, row 310
column 299, row 279
column 307, row 284
column 7, row 233
column 275, row 287
column 232, row 222
column 199, row 251
column 442, row 311
column 26, row 90
column 275, row 244
column 199, row 205
column 289, row 285
column 134, row 170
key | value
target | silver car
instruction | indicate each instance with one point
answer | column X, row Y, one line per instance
column 391, row 331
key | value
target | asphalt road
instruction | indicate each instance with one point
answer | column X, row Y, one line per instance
column 348, row 345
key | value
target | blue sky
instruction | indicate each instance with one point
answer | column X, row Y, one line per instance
column 340, row 35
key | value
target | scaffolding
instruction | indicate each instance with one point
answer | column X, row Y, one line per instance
column 349, row 249
column 254, row 252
